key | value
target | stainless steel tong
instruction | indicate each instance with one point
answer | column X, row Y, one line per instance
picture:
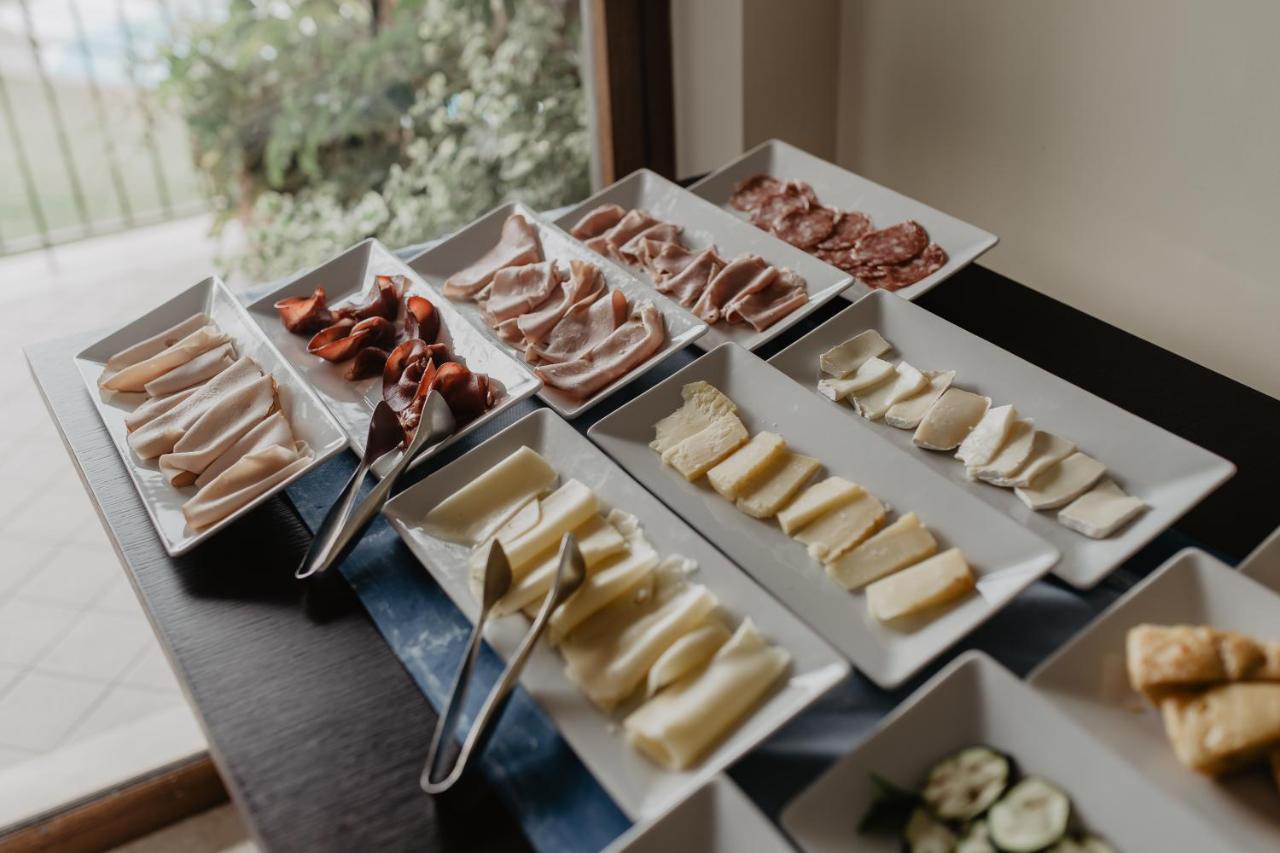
column 570, row 573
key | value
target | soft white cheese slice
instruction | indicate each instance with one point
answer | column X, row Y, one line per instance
column 908, row 413
column 606, row 583
column 703, row 403
column 1101, row 511
column 559, row 512
column 778, row 485
column 951, row 419
column 934, row 582
column 1063, row 482
column 984, row 441
column 696, row 455
column 471, row 514
column 1012, row 455
column 844, row 527
column 845, row 358
column 598, row 540
column 872, row 372
column 818, row 499
column 1046, row 450
column 742, row 469
column 905, row 382
column 902, row 543
column 686, row 654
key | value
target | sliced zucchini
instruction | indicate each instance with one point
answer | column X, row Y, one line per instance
column 964, row 785
column 890, row 808
column 976, row 839
column 927, row 834
column 1032, row 816
column 1086, row 844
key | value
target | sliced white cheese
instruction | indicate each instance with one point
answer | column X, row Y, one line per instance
column 1063, row 482
column 845, row 358
column 908, row 413
column 934, row 582
column 902, row 543
column 1012, row 456
column 951, row 419
column 703, row 403
column 1046, row 450
column 471, row 514
column 818, row 499
column 872, row 372
column 696, row 455
column 844, row 527
column 598, row 540
column 1101, row 511
column 742, row 469
column 778, row 485
column 984, row 441
column 605, row 584
column 559, row 512
column 686, row 654
column 906, row 381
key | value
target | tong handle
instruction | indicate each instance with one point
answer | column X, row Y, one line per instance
column 325, row 543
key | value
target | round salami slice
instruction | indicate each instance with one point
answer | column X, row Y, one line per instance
column 793, row 195
column 898, row 276
column 840, row 258
column 805, row 228
column 751, row 192
column 893, row 245
column 851, row 226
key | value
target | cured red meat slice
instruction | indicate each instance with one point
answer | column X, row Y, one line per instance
column 893, row 245
column 898, row 276
column 628, row 346
column 517, row 246
column 662, row 232
column 468, row 394
column 584, row 285
column 793, row 195
column 686, row 286
column 384, row 302
column 851, row 225
column 748, row 274
column 770, row 304
column 368, row 362
column 581, row 328
column 751, row 192
column 517, row 290
column 807, row 227
column 629, row 226
column 305, row 315
column 597, row 221
column 421, row 319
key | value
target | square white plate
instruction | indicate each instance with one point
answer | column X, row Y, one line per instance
column 1087, row 680
column 1263, row 563
column 349, row 277
column 976, row 701
column 310, row 420
column 640, row 788
column 1168, row 472
column 704, row 225
column 1005, row 557
column 840, row 188
column 717, row 818
column 470, row 243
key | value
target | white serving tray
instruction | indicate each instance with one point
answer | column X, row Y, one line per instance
column 1087, row 680
column 717, row 818
column 840, row 188
column 310, row 420
column 350, row 276
column 641, row 789
column 1263, row 563
column 704, row 225
column 976, row 701
column 471, row 242
column 1168, row 472
column 1005, row 557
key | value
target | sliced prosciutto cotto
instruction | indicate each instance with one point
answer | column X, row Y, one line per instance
column 764, row 307
column 598, row 221
column 584, row 326
column 627, row 347
column 518, row 290
column 743, row 275
column 687, row 285
column 517, row 246
column 585, row 284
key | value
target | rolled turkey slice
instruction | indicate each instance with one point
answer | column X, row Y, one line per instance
column 585, row 284
column 200, row 369
column 273, row 430
column 630, row 345
column 518, row 290
column 583, row 326
column 253, row 475
column 687, row 285
column 217, row 429
column 154, row 408
column 517, row 246
column 743, row 275
column 157, row 343
column 597, row 221
column 160, row 434
column 136, row 376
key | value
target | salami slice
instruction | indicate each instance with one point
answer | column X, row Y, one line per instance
column 851, row 226
column 805, row 228
column 898, row 276
column 893, row 245
column 844, row 259
column 793, row 195
column 751, row 192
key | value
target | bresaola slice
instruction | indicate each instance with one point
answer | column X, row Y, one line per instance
column 518, row 245
column 305, row 315
column 628, row 346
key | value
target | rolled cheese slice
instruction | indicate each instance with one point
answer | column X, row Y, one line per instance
column 696, row 455
column 872, row 372
column 703, row 403
column 1047, row 449
column 136, row 376
column 154, row 408
column 908, row 413
column 559, row 512
column 1012, row 456
column 936, row 581
column 598, row 541
column 897, row 546
column 686, row 654
column 250, row 477
column 846, row 358
column 271, row 431
column 844, row 527
column 676, row 727
column 984, row 441
column 951, row 419
column 471, row 515
column 1101, row 511
column 221, row 426
column 905, row 382
column 743, row 468
column 817, row 500
column 161, row 433
column 778, row 485
column 157, row 343
column 200, row 369
column 1063, row 482
column 608, row 583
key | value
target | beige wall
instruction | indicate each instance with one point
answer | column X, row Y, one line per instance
column 706, row 48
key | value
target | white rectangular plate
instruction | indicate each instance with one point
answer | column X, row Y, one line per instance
column 1263, row 563
column 349, row 277
column 1168, row 472
column 717, row 818
column 465, row 246
column 310, row 420
column 1087, row 680
column 976, row 701
column 1004, row 557
column 836, row 187
column 705, row 225
column 641, row 788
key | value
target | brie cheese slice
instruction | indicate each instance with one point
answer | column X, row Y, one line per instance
column 905, row 382
column 778, row 485
column 937, row 581
column 951, row 420
column 845, row 358
column 1063, row 482
column 1012, row 455
column 899, row 545
column 908, row 413
column 839, row 530
column 745, row 466
column 984, row 441
column 696, row 455
column 818, row 499
column 872, row 372
column 1047, row 449
column 1101, row 511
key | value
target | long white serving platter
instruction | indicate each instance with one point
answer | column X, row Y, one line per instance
column 1168, row 472
column 705, row 225
column 1263, row 563
column 310, row 420
column 975, row 701
column 350, row 277
column 840, row 188
column 717, row 818
column 465, row 246
column 642, row 789
column 1005, row 557
column 1087, row 680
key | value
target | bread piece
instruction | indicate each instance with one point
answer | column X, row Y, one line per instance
column 1224, row 728
column 1180, row 656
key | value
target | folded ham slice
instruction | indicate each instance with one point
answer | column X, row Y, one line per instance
column 763, row 308
column 746, row 274
column 584, row 285
column 661, row 232
column 518, row 290
column 272, row 430
column 517, row 246
column 602, row 245
column 686, row 286
column 626, row 347
column 221, row 426
column 157, row 343
column 154, row 408
column 597, row 221
column 135, row 377
column 581, row 328
column 664, row 260
column 629, row 226
column 252, row 475
column 160, row 434
column 200, row 369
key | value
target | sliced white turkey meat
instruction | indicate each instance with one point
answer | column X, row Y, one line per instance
column 582, row 327
column 517, row 246
column 597, row 221
column 627, row 347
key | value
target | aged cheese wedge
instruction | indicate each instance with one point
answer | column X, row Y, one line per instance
column 598, row 539
column 1047, row 449
column 951, row 420
column 558, row 513
column 685, row 655
column 819, row 499
column 743, row 468
column 1012, row 455
column 703, row 403
column 906, row 381
column 608, row 582
column 908, row 413
column 471, row 514
column 938, row 580
column 984, row 441
column 845, row 358
column 676, row 727
column 872, row 372
column 845, row 526
column 1101, row 511
column 1223, row 728
column 778, row 485
column 899, row 545
column 1063, row 482
column 696, row 455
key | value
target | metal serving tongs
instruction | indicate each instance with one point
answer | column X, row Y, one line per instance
column 346, row 520
column 570, row 573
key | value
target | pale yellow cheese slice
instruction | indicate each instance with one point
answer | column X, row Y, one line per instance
column 608, row 581
column 899, row 545
column 598, row 540
column 1047, row 449
column 984, row 441
column 686, row 654
column 908, row 413
column 1012, row 455
column 819, row 499
column 845, row 526
column 559, row 512
column 951, row 419
column 696, row 455
column 1101, row 511
column 746, row 466
column 906, row 381
column 471, row 514
column 703, row 403
column 1063, row 482
column 778, row 485
column 872, row 372
column 934, row 582
column 845, row 358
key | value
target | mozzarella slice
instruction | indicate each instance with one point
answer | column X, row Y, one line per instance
column 471, row 514
column 685, row 655
column 778, row 485
column 839, row 530
column 819, row 499
column 872, row 372
column 1047, row 449
column 1101, row 511
column 984, row 441
column 899, row 545
column 938, row 580
column 695, row 455
column 598, row 540
column 841, row 360
column 608, row 583
column 743, row 468
column 703, row 403
column 1063, row 482
column 908, row 413
column 559, row 512
column 951, row 420
column 905, row 382
column 1012, row 455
